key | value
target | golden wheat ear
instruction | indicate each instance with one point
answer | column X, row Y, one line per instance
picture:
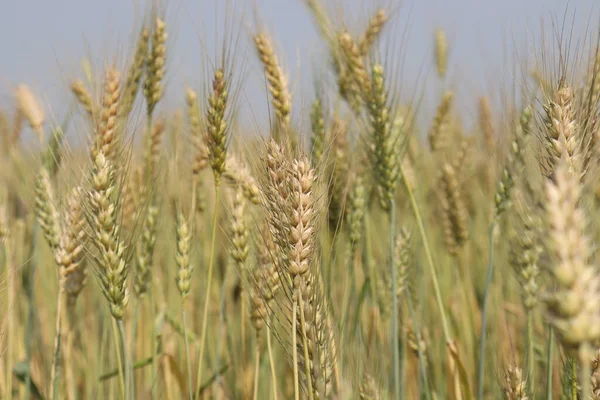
column 31, row 108
column 573, row 305
column 103, row 213
column 276, row 78
column 514, row 384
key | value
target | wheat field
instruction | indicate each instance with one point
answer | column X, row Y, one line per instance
column 361, row 248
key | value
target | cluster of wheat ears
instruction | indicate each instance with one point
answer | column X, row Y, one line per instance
column 351, row 257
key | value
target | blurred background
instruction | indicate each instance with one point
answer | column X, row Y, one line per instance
column 43, row 43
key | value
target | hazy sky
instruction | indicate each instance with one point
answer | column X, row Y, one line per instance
column 43, row 41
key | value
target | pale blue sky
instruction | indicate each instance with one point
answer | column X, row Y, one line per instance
column 42, row 41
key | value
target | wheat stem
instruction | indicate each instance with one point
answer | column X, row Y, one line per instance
column 208, row 283
column 484, row 313
column 420, row 354
column 394, row 335
column 10, row 281
column 31, row 311
column 550, row 364
column 272, row 363
column 436, row 285
column 256, row 369
column 530, row 354
column 574, row 379
column 128, row 367
column 57, row 343
column 187, row 351
column 586, row 373
column 120, row 362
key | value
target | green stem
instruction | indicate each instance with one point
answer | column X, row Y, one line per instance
column 10, row 281
column 420, row 354
column 550, row 364
column 530, row 354
column 208, row 283
column 402, row 368
column 586, row 373
column 136, row 365
column 31, row 312
column 256, row 369
column 488, row 282
column 222, row 332
column 57, row 343
column 574, row 379
column 187, row 351
column 272, row 363
column 155, row 350
column 136, row 316
column 430, row 263
column 120, row 361
column 129, row 388
column 394, row 335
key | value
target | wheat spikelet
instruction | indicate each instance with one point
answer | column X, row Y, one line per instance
column 368, row 389
column 574, row 305
column 83, row 96
column 386, row 138
column 30, row 107
column 275, row 194
column 339, row 174
column 111, row 264
column 182, row 258
column 437, row 133
column 154, row 147
column 278, row 84
column 514, row 384
column 145, row 252
column 132, row 197
column 417, row 342
column 301, row 218
column 525, row 251
column 405, row 276
column 441, row 52
column 289, row 204
column 45, row 209
column 266, row 283
column 216, row 137
column 134, row 73
column 349, row 90
column 317, row 124
column 201, row 150
column 239, row 231
column 302, row 244
column 514, row 164
column 562, row 137
column 356, row 208
column 239, row 175
column 368, row 38
column 455, row 216
column 107, row 133
column 354, row 62
column 70, row 252
column 155, row 65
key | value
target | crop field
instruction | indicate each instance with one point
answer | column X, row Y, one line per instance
column 350, row 242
